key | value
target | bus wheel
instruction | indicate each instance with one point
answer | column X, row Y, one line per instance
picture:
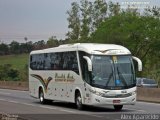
column 78, row 101
column 118, row 107
column 41, row 97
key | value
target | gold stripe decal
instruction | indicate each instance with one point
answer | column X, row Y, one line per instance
column 44, row 82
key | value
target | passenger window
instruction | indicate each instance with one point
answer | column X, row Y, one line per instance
column 55, row 61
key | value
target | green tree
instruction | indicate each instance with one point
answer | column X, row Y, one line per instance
column 26, row 47
column 139, row 33
column 39, row 45
column 52, row 42
column 86, row 10
column 99, row 13
column 29, row 46
column 4, row 49
column 74, row 22
column 14, row 47
column 154, row 11
column 114, row 8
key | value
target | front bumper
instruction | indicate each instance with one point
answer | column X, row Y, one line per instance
column 101, row 101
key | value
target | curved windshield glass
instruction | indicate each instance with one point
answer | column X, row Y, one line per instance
column 113, row 72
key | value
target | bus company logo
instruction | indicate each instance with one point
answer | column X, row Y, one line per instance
column 63, row 78
column 44, row 82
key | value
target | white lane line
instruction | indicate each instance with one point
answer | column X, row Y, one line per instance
column 95, row 115
column 48, row 107
column 2, row 99
column 29, row 104
column 63, row 110
column 69, row 111
column 135, row 110
column 51, row 108
column 5, row 93
column 13, row 101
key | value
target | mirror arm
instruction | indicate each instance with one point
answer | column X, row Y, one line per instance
column 89, row 62
column 139, row 63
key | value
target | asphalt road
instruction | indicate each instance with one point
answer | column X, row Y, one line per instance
column 18, row 104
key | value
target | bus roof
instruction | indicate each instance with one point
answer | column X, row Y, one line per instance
column 91, row 48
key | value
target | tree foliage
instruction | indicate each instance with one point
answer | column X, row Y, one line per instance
column 8, row 73
column 86, row 10
column 52, row 42
column 99, row 13
column 4, row 49
column 138, row 33
column 84, row 18
column 74, row 22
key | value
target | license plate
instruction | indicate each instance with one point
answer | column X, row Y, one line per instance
column 116, row 101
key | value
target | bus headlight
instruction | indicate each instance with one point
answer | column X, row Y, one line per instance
column 133, row 93
column 97, row 93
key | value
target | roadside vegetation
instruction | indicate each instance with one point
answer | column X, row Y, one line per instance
column 14, row 67
column 99, row 21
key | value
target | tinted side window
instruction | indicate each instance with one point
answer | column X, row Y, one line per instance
column 69, row 61
column 37, row 62
column 55, row 61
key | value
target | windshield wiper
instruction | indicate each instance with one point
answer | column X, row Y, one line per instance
column 110, row 76
column 121, row 76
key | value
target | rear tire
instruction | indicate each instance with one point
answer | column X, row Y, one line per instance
column 78, row 101
column 118, row 107
column 41, row 97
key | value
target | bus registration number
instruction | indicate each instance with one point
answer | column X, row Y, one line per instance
column 116, row 101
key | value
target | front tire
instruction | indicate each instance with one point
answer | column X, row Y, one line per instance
column 118, row 107
column 78, row 101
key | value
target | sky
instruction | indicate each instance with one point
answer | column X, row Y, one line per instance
column 40, row 19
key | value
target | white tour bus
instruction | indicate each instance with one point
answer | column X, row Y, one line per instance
column 85, row 74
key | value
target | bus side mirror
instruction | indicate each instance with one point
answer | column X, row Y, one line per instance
column 89, row 62
column 139, row 63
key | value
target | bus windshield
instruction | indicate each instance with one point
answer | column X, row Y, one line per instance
column 113, row 72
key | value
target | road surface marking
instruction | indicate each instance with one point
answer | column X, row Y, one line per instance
column 5, row 93
column 48, row 107
column 69, row 111
column 29, row 104
column 13, row 101
column 135, row 110
column 2, row 99
column 95, row 115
